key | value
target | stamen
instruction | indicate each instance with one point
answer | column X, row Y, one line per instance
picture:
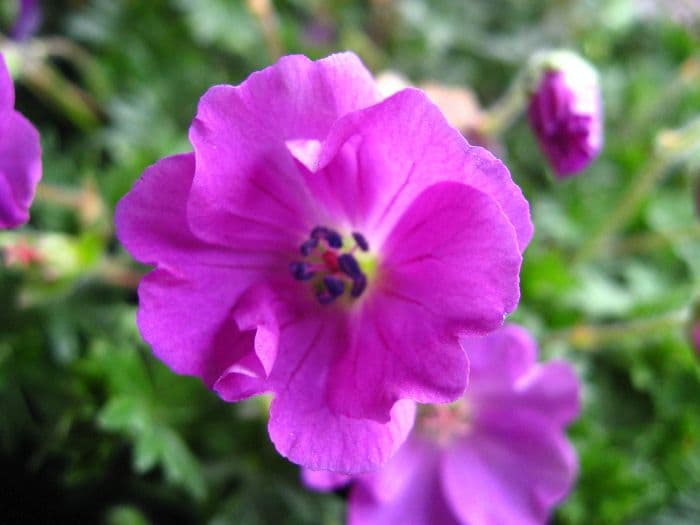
column 308, row 246
column 348, row 265
column 301, row 271
column 319, row 232
column 334, row 289
column 333, row 271
column 361, row 241
column 334, row 239
column 335, row 286
column 359, row 283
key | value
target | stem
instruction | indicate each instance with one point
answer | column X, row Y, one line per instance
column 67, row 198
column 86, row 201
column 264, row 12
column 627, row 206
column 48, row 83
column 647, row 242
column 113, row 272
column 591, row 337
column 504, row 112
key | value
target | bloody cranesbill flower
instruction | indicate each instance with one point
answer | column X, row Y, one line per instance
column 20, row 157
column 327, row 246
column 498, row 456
column 565, row 110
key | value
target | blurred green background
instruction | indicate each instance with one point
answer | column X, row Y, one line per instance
column 94, row 430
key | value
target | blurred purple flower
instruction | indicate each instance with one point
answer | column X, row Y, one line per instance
column 27, row 21
column 499, row 456
column 320, row 32
column 693, row 329
column 20, row 157
column 565, row 112
column 328, row 246
column 695, row 336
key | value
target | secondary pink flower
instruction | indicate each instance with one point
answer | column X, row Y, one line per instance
column 499, row 456
column 565, row 111
column 20, row 157
column 327, row 246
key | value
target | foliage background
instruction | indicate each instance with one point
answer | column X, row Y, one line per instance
column 94, row 430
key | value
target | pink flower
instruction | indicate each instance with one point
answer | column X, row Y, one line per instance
column 565, row 111
column 20, row 157
column 327, row 246
column 498, row 456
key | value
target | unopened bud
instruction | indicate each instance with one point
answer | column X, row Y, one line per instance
column 565, row 110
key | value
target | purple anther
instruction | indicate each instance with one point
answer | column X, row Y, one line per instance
column 335, row 286
column 334, row 239
column 300, row 271
column 361, row 241
column 359, row 283
column 308, row 246
column 348, row 265
column 319, row 232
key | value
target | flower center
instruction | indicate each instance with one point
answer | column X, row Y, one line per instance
column 444, row 423
column 331, row 269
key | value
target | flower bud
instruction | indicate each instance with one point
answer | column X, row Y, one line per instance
column 565, row 110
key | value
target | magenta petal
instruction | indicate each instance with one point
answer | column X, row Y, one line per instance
column 552, row 390
column 248, row 375
column 399, row 350
column 302, row 425
column 20, row 168
column 296, row 98
column 491, row 176
column 186, row 306
column 20, row 157
column 188, row 322
column 516, row 462
column 316, row 437
column 404, row 145
column 246, row 179
column 504, row 373
column 406, row 491
column 151, row 222
column 454, row 255
column 324, row 480
column 255, row 311
column 151, row 219
column 500, row 359
column 450, row 266
column 514, row 471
